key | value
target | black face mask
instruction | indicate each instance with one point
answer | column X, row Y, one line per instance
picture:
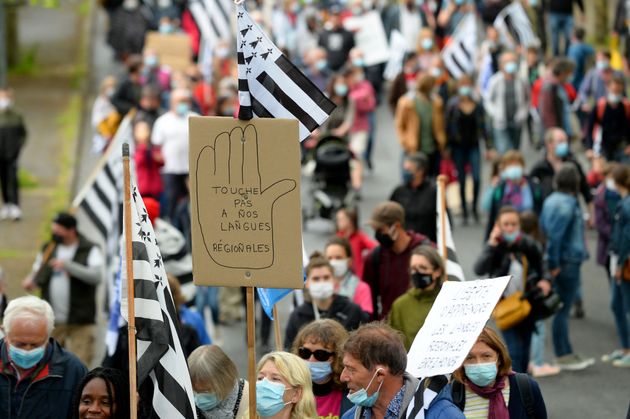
column 384, row 239
column 421, row 281
column 57, row 238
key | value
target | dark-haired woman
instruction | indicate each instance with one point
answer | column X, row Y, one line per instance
column 322, row 302
column 320, row 344
column 348, row 227
column 103, row 393
column 410, row 310
column 486, row 387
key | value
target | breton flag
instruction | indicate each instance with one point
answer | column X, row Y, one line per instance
column 454, row 270
column 513, row 25
column 213, row 20
column 159, row 352
column 270, row 86
column 459, row 56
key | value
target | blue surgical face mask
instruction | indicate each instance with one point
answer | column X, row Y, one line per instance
column 182, row 109
column 26, row 359
column 459, row 2
column 562, row 149
column 613, row 98
column 511, row 237
column 533, row 3
column 150, row 61
column 407, row 176
column 361, row 398
column 320, row 65
column 206, row 401
column 341, row 89
column 435, row 72
column 465, row 91
column 427, row 44
column 269, row 399
column 511, row 67
column 320, row 371
column 481, row 374
column 514, row 173
column 166, row 28
column 358, row 62
column 602, row 65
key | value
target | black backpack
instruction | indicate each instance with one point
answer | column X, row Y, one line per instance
column 522, row 384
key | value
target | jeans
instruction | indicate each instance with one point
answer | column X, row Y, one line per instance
column 620, row 305
column 560, row 24
column 461, row 157
column 538, row 344
column 566, row 285
column 518, row 340
column 508, row 138
column 208, row 297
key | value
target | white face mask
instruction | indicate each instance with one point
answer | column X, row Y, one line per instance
column 5, row 103
column 340, row 267
column 321, row 290
column 610, row 184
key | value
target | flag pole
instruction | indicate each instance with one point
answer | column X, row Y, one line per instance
column 251, row 350
column 276, row 327
column 442, row 220
column 131, row 322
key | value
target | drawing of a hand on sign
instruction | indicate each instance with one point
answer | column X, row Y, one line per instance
column 235, row 212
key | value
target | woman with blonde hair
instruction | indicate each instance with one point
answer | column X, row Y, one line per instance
column 284, row 389
column 219, row 392
column 320, row 344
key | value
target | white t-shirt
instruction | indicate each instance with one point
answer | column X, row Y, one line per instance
column 410, row 24
column 170, row 132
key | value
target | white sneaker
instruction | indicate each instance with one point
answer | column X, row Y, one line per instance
column 4, row 212
column 15, row 213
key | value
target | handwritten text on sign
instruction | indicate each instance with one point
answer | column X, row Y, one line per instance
column 245, row 200
column 456, row 319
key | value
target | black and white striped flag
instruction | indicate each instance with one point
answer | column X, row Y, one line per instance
column 160, row 356
column 213, row 20
column 270, row 86
column 454, row 270
column 513, row 25
column 459, row 56
column 98, row 203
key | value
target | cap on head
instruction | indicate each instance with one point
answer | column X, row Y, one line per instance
column 66, row 220
column 386, row 214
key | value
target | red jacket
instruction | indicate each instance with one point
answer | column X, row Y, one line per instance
column 359, row 242
column 148, row 171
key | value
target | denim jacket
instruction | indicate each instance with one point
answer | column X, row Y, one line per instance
column 561, row 220
column 620, row 237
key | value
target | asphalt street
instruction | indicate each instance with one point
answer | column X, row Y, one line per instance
column 601, row 391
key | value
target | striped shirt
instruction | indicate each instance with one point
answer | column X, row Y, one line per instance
column 478, row 407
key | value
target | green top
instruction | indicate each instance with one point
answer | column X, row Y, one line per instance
column 424, row 109
column 409, row 312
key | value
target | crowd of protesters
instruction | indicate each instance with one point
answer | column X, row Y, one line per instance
column 364, row 298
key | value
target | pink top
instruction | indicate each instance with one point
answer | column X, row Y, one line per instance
column 363, row 297
column 329, row 406
column 359, row 243
column 362, row 94
column 148, row 171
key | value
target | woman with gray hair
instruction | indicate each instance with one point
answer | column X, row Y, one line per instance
column 219, row 393
column 562, row 221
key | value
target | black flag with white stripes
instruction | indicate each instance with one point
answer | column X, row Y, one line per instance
column 212, row 18
column 454, row 271
column 459, row 56
column 98, row 203
column 513, row 24
column 270, row 86
column 160, row 356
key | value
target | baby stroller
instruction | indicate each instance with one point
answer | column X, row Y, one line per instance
column 330, row 189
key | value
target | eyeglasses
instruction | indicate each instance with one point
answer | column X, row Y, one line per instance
column 319, row 354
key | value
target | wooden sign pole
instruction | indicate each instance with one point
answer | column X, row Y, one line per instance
column 442, row 187
column 251, row 350
column 276, row 328
column 133, row 401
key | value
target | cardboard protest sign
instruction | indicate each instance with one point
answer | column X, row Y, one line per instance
column 456, row 319
column 173, row 49
column 245, row 202
column 369, row 37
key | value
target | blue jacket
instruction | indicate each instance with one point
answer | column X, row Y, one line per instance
column 442, row 406
column 50, row 393
column 561, row 220
column 620, row 237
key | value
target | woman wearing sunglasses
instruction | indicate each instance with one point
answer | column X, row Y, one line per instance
column 320, row 344
column 321, row 302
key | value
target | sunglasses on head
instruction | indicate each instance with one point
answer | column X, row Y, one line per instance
column 319, row 354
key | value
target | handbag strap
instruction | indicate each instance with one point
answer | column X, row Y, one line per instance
column 525, row 266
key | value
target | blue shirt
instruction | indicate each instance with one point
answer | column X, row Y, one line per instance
column 393, row 409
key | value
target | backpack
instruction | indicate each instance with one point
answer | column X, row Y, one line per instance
column 522, row 384
column 601, row 108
